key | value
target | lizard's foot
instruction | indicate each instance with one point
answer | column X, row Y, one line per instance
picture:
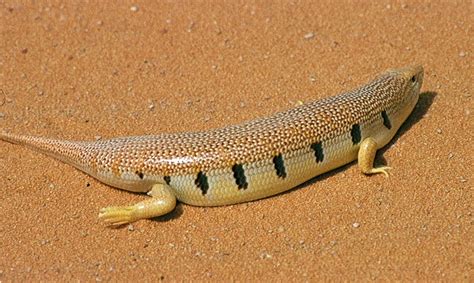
column 377, row 170
column 161, row 202
column 117, row 215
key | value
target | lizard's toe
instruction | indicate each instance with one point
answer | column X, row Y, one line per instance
column 117, row 215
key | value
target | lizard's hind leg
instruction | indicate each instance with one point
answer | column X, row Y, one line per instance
column 162, row 201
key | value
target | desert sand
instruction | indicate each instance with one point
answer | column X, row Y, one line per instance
column 84, row 70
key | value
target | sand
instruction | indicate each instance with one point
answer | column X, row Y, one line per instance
column 103, row 69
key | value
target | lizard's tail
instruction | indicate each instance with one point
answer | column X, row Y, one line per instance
column 69, row 152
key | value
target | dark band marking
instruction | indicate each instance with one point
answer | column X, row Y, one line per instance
column 239, row 176
column 201, row 182
column 279, row 166
column 140, row 174
column 355, row 134
column 318, row 151
column 167, row 180
column 386, row 120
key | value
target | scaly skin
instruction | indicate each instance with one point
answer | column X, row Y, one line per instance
column 244, row 162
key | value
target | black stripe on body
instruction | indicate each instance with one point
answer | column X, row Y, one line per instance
column 279, row 166
column 167, row 180
column 239, row 176
column 201, row 182
column 318, row 151
column 386, row 120
column 140, row 174
column 355, row 134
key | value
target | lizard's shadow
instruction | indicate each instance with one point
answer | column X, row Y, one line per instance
column 176, row 213
column 421, row 108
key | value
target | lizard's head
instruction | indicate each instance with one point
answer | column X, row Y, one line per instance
column 402, row 90
column 411, row 79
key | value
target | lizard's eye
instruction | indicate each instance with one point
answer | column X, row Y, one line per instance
column 413, row 79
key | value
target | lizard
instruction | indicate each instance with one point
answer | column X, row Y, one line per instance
column 248, row 161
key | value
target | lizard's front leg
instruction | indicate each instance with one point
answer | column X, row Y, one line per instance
column 162, row 202
column 366, row 156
